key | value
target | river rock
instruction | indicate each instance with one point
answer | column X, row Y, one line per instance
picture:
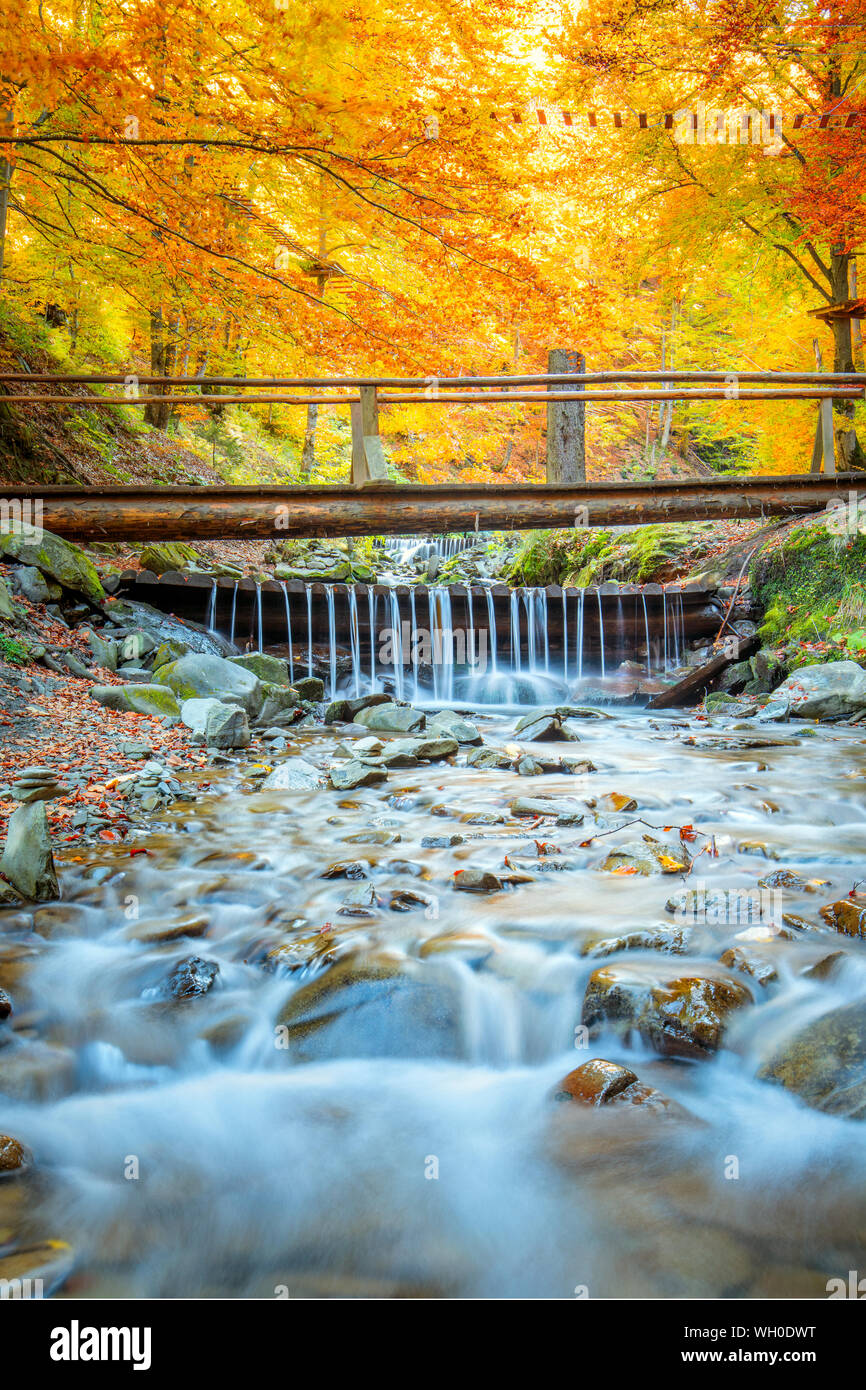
column 672, row 941
column 310, row 688
column 190, row 978
column 58, row 559
column 642, row 858
column 846, row 916
column 159, row 700
column 199, row 674
column 28, row 860
column 294, row 774
column 679, row 1016
column 430, row 749
column 824, row 1061
column 14, row 1157
column 218, row 725
column 344, row 711
column 162, row 556
column 453, row 725
column 281, row 704
column 371, row 1005
column 8, row 612
column 546, row 806
column 488, row 757
column 355, row 773
column 545, row 726
column 104, row 650
column 390, row 718
column 476, row 881
column 836, row 690
column 750, row 962
column 32, row 585
column 595, row 1083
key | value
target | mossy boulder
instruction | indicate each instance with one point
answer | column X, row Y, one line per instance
column 58, row 559
column 272, row 669
column 168, row 555
column 158, row 700
column 199, row 675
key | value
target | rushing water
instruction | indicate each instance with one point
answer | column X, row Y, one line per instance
column 405, row 1141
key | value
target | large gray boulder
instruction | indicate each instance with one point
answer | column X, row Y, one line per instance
column 216, row 724
column 28, row 860
column 182, row 633
column 452, row 725
column 836, row 690
column 396, row 719
column 56, row 558
column 32, row 584
column 212, row 677
column 294, row 774
column 159, row 700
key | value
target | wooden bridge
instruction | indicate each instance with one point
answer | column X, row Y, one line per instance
column 373, row 506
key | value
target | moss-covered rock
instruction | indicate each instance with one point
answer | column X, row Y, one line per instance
column 168, row 555
column 811, row 589
column 586, row 555
column 57, row 558
column 159, row 700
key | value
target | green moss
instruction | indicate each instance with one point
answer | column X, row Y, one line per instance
column 13, row 652
column 590, row 556
column 811, row 589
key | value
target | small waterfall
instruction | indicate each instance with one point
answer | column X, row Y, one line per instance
column 529, row 604
column 234, row 611
column 471, row 654
column 578, row 637
column 649, row 655
column 210, row 622
column 665, row 629
column 289, row 634
column 371, row 609
column 564, row 635
column 397, row 644
column 332, row 636
column 491, row 625
column 413, row 631
column 259, row 625
column 600, row 629
column 309, row 629
column 620, row 630
column 541, row 615
column 446, row 642
column 355, row 640
column 515, row 630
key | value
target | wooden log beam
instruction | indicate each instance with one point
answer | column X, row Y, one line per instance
column 183, row 513
column 690, row 689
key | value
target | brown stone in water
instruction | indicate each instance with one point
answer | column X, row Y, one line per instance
column 595, row 1083
column 846, row 916
column 13, row 1155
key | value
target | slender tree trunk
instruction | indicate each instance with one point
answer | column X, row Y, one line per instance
column 849, row 449
column 308, row 452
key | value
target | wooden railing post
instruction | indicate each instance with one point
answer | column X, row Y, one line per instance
column 566, row 446
column 368, row 457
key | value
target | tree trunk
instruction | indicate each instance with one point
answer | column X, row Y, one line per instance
column 308, row 452
column 566, row 446
column 158, row 413
column 848, row 446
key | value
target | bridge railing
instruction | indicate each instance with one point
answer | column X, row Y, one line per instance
column 365, row 395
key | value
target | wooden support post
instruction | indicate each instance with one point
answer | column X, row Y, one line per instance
column 368, row 457
column 817, row 447
column 827, row 437
column 566, row 448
